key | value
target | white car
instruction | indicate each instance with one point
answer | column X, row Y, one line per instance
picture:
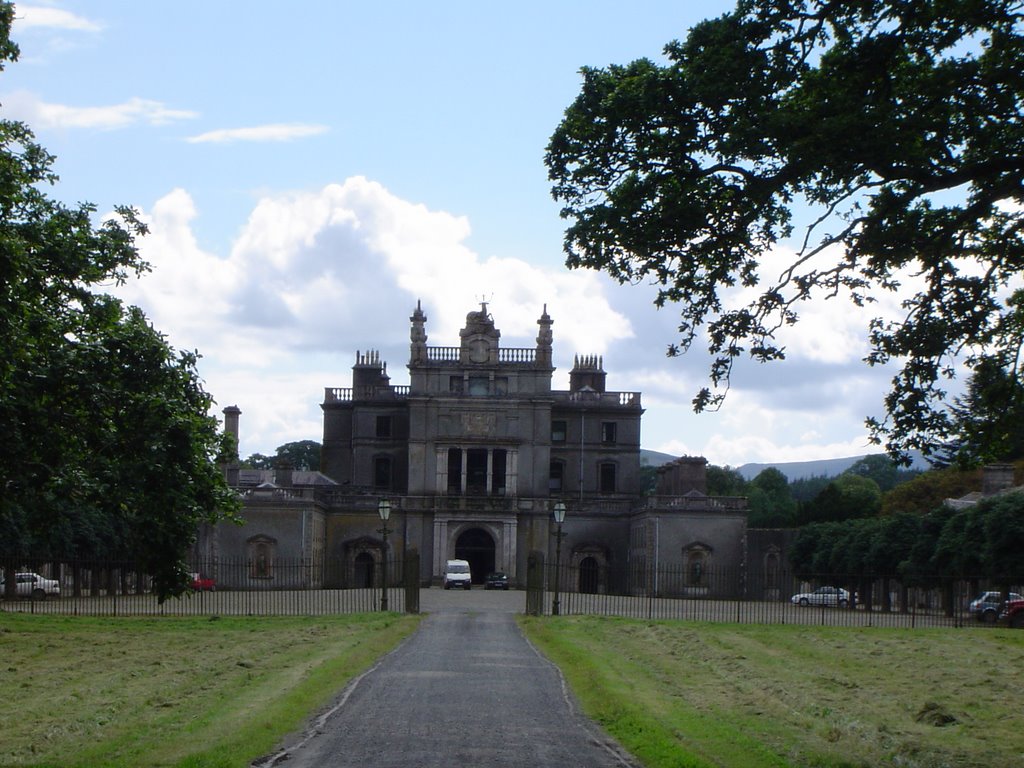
column 33, row 585
column 823, row 596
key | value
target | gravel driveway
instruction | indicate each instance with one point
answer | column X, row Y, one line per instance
column 466, row 690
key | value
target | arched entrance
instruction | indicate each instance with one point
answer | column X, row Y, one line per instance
column 363, row 570
column 589, row 575
column 477, row 547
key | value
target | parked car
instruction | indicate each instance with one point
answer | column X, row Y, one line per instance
column 203, row 583
column 496, row 580
column 1013, row 614
column 986, row 607
column 823, row 596
column 33, row 585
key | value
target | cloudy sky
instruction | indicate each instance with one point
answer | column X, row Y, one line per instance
column 310, row 170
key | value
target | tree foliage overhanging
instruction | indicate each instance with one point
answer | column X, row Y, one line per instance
column 882, row 138
column 108, row 449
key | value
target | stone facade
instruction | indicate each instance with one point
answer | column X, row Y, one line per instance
column 472, row 455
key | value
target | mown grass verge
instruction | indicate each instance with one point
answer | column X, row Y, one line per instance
column 746, row 696
column 181, row 692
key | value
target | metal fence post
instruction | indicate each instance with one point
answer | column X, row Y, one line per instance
column 535, row 584
column 411, row 576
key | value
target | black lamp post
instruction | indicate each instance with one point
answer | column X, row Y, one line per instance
column 384, row 510
column 556, row 604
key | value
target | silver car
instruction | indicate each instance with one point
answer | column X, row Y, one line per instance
column 986, row 607
column 823, row 596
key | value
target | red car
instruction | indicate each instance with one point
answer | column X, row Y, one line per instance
column 203, row 584
column 1013, row 614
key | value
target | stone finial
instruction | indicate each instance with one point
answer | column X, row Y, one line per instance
column 544, row 338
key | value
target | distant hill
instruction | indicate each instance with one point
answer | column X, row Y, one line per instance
column 655, row 459
column 793, row 470
column 800, row 470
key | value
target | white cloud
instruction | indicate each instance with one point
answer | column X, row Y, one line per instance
column 34, row 16
column 25, row 106
column 259, row 133
column 314, row 277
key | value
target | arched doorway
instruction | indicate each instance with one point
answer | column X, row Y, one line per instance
column 477, row 547
column 363, row 570
column 589, row 575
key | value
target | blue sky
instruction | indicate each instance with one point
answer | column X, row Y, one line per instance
column 310, row 170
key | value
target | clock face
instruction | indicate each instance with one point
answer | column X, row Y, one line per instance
column 478, row 351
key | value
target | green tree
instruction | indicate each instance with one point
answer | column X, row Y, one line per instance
column 847, row 497
column 988, row 419
column 928, row 491
column 1003, row 530
column 771, row 505
column 108, row 447
column 303, row 454
column 806, row 488
column 724, row 481
column 258, row 461
column 883, row 470
column 877, row 139
column 890, row 549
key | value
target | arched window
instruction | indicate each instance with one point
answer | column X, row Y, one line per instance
column 590, row 575
column 363, row 567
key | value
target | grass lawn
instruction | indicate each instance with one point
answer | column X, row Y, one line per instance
column 181, row 692
column 688, row 694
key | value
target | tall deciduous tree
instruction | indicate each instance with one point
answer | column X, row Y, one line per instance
column 771, row 504
column 302, row 454
column 879, row 139
column 725, row 481
column 988, row 419
column 108, row 448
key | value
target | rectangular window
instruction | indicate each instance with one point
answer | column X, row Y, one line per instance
column 555, row 478
column 476, row 470
column 455, row 470
column 455, row 384
column 478, row 386
column 558, row 430
column 501, row 385
column 383, row 426
column 607, row 478
column 498, row 462
column 382, row 472
column 609, row 431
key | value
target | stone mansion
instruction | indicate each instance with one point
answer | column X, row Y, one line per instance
column 472, row 455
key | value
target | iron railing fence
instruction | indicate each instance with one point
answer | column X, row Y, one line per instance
column 219, row 587
column 303, row 587
column 778, row 597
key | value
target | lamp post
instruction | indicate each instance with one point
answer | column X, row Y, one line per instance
column 556, row 604
column 384, row 510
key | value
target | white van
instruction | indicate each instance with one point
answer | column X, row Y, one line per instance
column 456, row 574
